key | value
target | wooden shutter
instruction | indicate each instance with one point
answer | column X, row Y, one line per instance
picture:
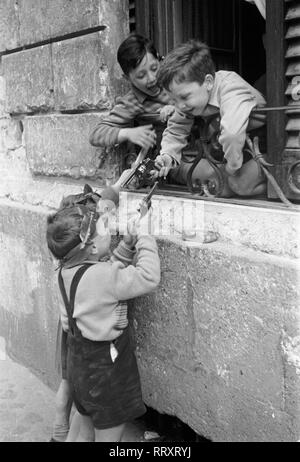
column 283, row 68
column 291, row 167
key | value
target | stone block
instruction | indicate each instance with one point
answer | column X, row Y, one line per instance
column 44, row 20
column 2, row 94
column 215, row 341
column 115, row 15
column 29, row 307
column 272, row 230
column 29, row 80
column 81, row 77
column 58, row 145
column 9, row 25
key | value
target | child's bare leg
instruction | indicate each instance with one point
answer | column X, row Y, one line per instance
column 249, row 181
column 81, row 430
column 74, row 428
column 86, row 430
column 63, row 405
column 109, row 435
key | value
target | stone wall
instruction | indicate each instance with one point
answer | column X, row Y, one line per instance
column 58, row 77
column 219, row 342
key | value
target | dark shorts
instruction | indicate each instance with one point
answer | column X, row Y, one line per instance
column 109, row 392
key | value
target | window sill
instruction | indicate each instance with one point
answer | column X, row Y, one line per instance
column 260, row 225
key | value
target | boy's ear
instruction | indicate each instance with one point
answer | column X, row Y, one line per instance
column 87, row 189
column 209, row 80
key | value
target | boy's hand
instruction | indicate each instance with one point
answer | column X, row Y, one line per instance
column 143, row 136
column 166, row 112
column 164, row 163
column 141, row 225
column 130, row 239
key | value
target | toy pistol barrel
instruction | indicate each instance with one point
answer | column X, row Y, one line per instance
column 146, row 201
column 129, row 178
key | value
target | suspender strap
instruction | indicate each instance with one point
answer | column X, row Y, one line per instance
column 74, row 284
column 70, row 304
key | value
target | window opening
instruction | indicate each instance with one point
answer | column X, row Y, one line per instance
column 132, row 18
column 234, row 30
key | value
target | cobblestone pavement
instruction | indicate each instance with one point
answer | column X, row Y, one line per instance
column 27, row 407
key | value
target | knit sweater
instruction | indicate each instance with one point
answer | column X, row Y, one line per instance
column 135, row 106
column 98, row 308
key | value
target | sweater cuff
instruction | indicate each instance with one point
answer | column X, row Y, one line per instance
column 123, row 253
column 175, row 161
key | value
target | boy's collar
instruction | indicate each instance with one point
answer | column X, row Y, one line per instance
column 213, row 97
column 140, row 95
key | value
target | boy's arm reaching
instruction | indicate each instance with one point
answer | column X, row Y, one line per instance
column 142, row 278
column 124, row 253
column 237, row 99
column 175, row 136
column 118, row 127
column 120, row 117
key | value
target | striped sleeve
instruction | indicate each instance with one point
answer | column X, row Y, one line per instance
column 121, row 116
column 121, row 312
column 123, row 254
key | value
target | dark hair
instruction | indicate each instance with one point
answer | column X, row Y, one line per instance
column 191, row 61
column 132, row 50
column 63, row 230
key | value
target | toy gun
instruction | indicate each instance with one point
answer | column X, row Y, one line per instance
column 141, row 171
column 146, row 201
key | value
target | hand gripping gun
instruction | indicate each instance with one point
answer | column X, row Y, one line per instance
column 146, row 201
column 141, row 169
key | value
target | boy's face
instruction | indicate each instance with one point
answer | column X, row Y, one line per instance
column 144, row 76
column 191, row 98
column 101, row 246
column 108, row 219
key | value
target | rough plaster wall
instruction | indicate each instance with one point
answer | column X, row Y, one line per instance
column 29, row 297
column 52, row 95
column 218, row 343
column 58, row 78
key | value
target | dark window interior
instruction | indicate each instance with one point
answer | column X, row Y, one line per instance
column 233, row 29
column 253, row 56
